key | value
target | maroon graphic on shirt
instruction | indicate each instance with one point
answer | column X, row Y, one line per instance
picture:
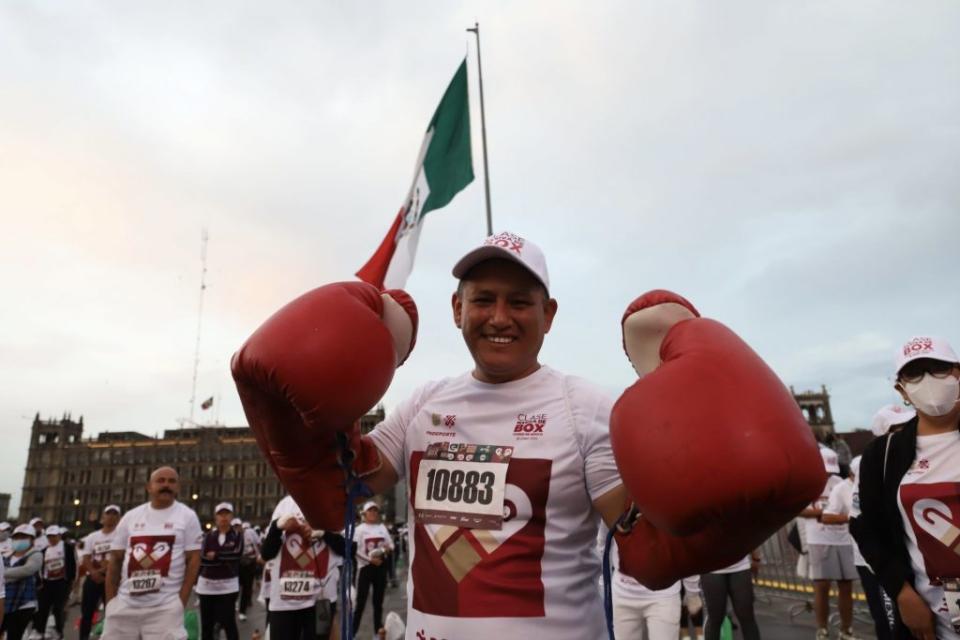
column 934, row 513
column 150, row 553
column 300, row 560
column 484, row 573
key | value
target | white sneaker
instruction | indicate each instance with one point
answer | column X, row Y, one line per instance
column 34, row 635
column 823, row 634
column 242, row 617
column 847, row 635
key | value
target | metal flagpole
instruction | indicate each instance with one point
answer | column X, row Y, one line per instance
column 483, row 131
column 203, row 287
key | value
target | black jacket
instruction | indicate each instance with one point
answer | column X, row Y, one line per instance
column 879, row 530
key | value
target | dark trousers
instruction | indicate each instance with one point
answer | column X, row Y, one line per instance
column 15, row 623
column 218, row 610
column 294, row 625
column 883, row 620
column 52, row 598
column 377, row 577
column 739, row 587
column 92, row 596
column 248, row 572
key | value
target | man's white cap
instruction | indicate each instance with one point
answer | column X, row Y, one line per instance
column 855, row 466
column 371, row 505
column 830, row 461
column 889, row 416
column 246, row 525
column 4, row 526
column 26, row 530
column 506, row 246
column 35, row 520
column 112, row 507
column 235, row 522
column 53, row 530
column 224, row 506
column 917, row 347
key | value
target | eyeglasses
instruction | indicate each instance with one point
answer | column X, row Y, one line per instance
column 915, row 370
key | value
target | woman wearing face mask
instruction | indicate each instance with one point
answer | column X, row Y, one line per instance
column 909, row 527
column 20, row 570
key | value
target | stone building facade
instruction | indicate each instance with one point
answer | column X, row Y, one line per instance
column 69, row 478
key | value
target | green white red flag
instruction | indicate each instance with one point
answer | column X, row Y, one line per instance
column 444, row 168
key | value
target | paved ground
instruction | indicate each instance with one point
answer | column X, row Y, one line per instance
column 779, row 618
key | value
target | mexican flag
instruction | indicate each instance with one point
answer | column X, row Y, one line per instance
column 444, row 167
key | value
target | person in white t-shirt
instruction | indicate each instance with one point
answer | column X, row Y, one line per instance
column 509, row 468
column 94, row 556
column 58, row 573
column 637, row 608
column 909, row 526
column 830, row 551
column 305, row 568
column 154, row 562
column 843, row 506
column 374, row 544
column 40, row 541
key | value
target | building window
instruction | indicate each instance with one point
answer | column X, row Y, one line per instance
column 38, row 498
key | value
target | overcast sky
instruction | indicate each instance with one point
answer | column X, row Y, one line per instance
column 792, row 168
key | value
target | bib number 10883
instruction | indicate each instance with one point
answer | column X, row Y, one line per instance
column 462, row 485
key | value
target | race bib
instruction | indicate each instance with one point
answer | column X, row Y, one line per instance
column 145, row 581
column 462, row 485
column 297, row 585
column 55, row 565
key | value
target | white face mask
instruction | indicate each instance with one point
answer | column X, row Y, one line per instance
column 933, row 396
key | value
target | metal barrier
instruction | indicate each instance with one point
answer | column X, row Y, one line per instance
column 778, row 578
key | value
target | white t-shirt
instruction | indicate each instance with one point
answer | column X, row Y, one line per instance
column 627, row 589
column 369, row 537
column 154, row 542
column 303, row 571
column 6, row 548
column 54, row 562
column 929, row 501
column 97, row 546
column 828, row 534
column 538, row 573
column 40, row 542
column 251, row 543
column 841, row 502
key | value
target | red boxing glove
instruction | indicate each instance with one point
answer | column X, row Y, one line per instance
column 710, row 444
column 310, row 372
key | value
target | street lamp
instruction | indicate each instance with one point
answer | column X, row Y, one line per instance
column 77, row 523
column 195, row 496
column 76, row 502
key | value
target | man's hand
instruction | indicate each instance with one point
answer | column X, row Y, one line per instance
column 190, row 577
column 210, row 555
column 916, row 614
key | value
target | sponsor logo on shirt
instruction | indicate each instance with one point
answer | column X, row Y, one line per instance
column 529, row 427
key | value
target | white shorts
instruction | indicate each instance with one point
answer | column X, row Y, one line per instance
column 125, row 621
column 661, row 616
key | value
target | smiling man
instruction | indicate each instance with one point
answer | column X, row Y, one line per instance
column 509, row 466
column 154, row 561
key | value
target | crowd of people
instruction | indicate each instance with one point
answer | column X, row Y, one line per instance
column 505, row 511
column 135, row 574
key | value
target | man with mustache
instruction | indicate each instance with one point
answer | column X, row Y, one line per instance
column 154, row 562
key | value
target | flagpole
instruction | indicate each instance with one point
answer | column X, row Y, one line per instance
column 483, row 132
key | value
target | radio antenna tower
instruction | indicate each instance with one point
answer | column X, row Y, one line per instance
column 204, row 237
